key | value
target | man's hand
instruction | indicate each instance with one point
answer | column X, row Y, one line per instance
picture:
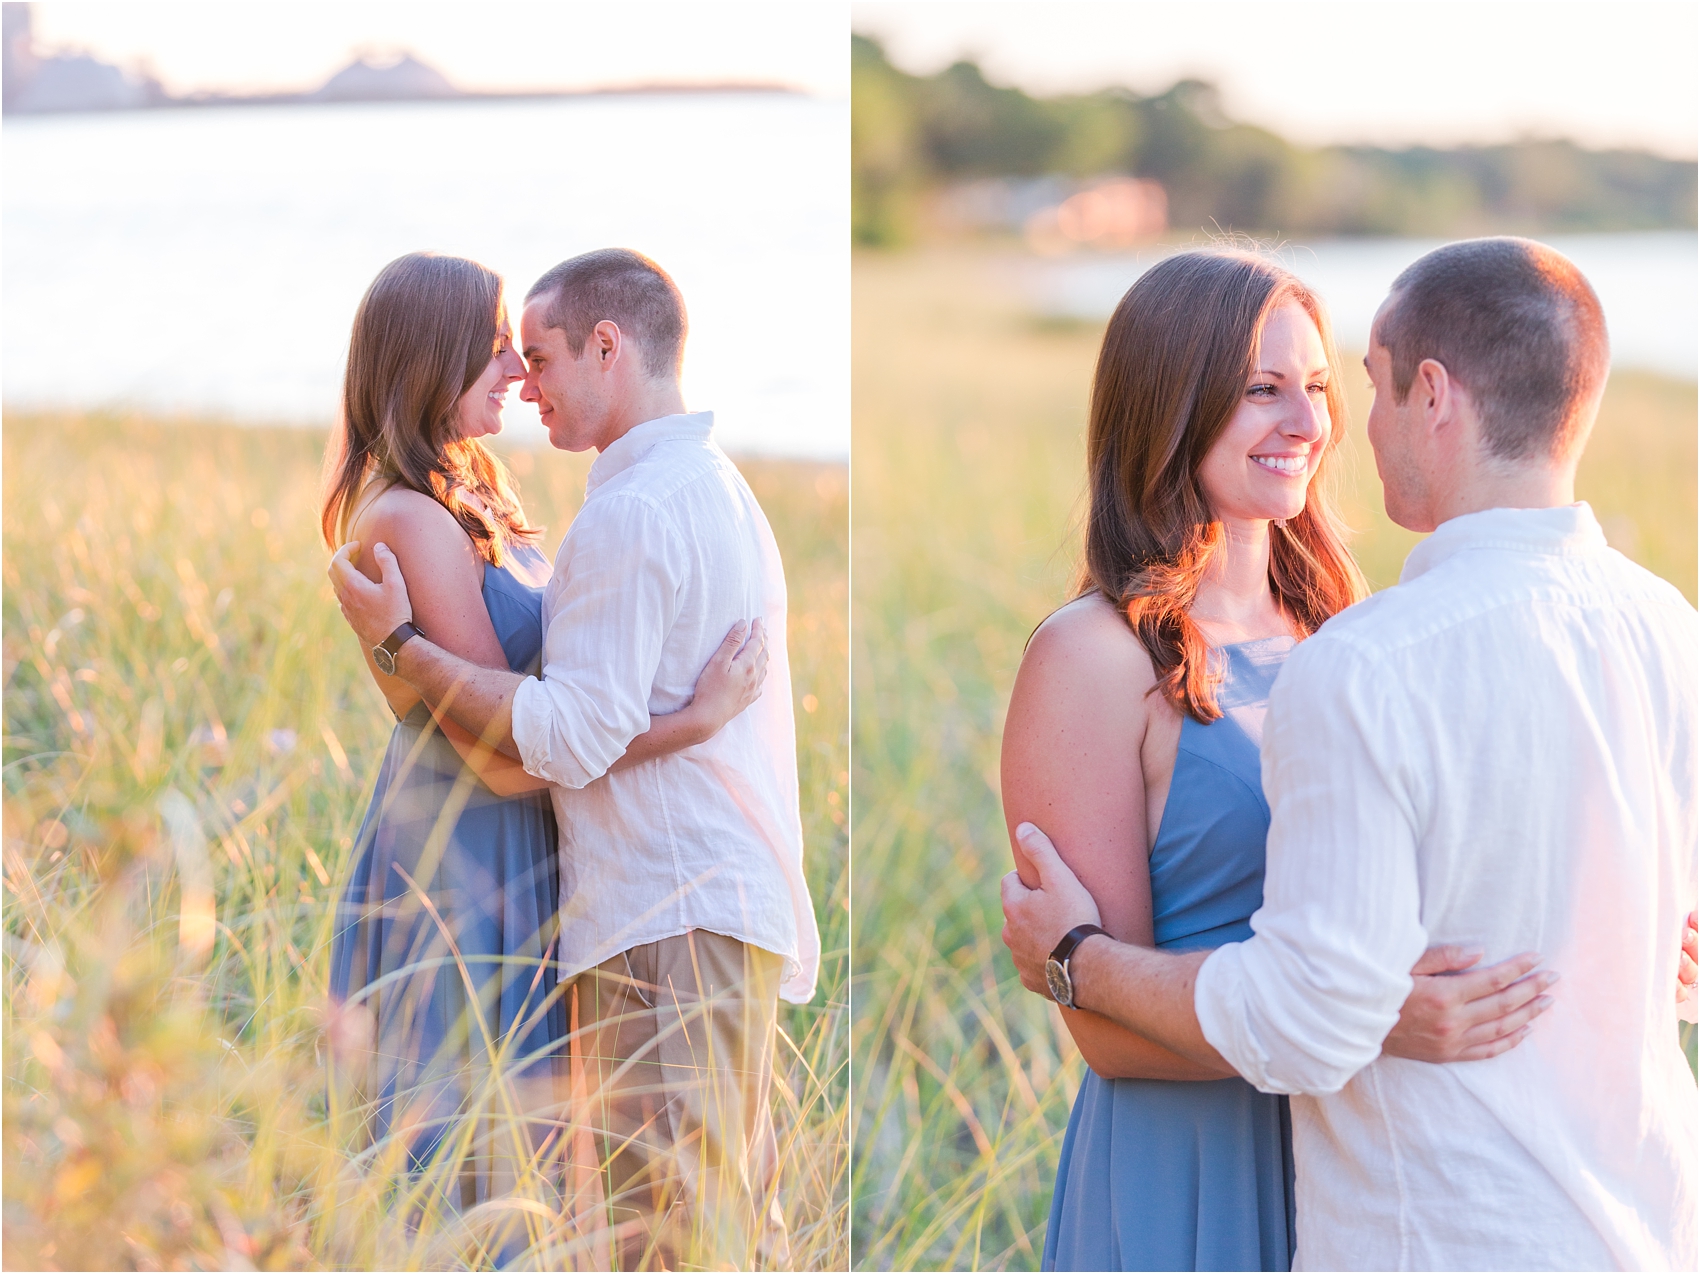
column 1035, row 920
column 1457, row 1016
column 373, row 611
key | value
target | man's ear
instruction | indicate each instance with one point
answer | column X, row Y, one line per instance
column 608, row 339
column 1435, row 389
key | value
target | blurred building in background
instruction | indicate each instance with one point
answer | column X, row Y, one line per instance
column 950, row 153
column 32, row 82
column 40, row 83
column 1056, row 214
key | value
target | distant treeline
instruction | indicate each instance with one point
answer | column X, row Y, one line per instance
column 913, row 134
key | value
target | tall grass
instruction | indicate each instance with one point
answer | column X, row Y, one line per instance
column 968, row 480
column 190, row 738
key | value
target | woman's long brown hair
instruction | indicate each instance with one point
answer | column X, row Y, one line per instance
column 1176, row 359
column 424, row 333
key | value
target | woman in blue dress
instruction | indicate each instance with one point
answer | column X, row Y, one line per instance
column 442, row 955
column 1133, row 732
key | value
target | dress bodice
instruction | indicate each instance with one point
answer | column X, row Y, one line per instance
column 516, row 611
column 1207, row 862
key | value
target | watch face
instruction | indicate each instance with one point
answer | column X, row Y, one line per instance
column 385, row 661
column 1056, row 978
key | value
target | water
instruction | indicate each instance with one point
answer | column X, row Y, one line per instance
column 210, row 261
column 1646, row 283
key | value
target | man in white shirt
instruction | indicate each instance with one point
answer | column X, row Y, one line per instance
column 1499, row 751
column 685, row 916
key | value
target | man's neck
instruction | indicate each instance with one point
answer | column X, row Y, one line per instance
column 650, row 401
column 1495, row 485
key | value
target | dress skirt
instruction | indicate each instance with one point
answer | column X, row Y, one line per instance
column 445, row 944
column 1164, row 1175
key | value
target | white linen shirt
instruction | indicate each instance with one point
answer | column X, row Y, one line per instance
column 1499, row 751
column 669, row 550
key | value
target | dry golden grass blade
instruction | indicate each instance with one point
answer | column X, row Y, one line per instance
column 167, row 627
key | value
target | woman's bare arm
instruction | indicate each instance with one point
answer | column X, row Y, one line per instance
column 445, row 586
column 498, row 771
column 1079, row 721
column 1072, row 764
column 445, row 579
column 731, row 682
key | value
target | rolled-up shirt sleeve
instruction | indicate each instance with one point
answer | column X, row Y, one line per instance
column 613, row 601
column 1305, row 1003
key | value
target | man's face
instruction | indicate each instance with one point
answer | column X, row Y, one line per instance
column 570, row 393
column 1395, row 435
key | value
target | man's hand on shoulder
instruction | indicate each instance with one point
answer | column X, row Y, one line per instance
column 1035, row 920
column 373, row 610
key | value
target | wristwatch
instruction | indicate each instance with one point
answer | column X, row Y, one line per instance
column 383, row 654
column 1056, row 968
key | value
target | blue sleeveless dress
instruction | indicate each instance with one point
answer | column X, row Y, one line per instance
column 1165, row 1175
column 447, row 931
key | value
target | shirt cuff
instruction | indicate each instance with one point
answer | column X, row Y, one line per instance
column 1218, row 998
column 531, row 726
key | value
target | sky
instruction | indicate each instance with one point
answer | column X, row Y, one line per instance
column 1385, row 72
column 1391, row 72
column 265, row 46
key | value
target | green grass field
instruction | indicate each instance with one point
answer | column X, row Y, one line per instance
column 190, row 737
column 968, row 483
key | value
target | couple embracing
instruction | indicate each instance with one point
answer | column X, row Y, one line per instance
column 578, row 894
column 1293, row 860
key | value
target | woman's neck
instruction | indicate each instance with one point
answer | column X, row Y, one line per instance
column 1235, row 602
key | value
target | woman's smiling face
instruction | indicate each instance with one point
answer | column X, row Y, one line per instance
column 480, row 408
column 1264, row 459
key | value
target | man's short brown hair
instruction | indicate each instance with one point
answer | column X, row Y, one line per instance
column 1517, row 325
column 626, row 288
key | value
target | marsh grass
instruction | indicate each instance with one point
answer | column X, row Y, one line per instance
column 190, row 739
column 968, row 478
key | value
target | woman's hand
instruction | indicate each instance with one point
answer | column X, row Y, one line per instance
column 1688, row 965
column 1457, row 1016
column 732, row 681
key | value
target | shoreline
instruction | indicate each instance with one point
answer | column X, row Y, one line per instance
column 15, row 416
column 219, row 102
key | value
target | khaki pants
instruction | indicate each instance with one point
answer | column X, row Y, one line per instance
column 678, row 1039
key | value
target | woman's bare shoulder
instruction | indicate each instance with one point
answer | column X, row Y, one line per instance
column 419, row 531
column 1088, row 642
column 405, row 514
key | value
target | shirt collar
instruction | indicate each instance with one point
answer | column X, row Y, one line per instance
column 1565, row 530
column 639, row 440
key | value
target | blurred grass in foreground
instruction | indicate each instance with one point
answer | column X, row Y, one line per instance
column 190, row 739
column 968, row 480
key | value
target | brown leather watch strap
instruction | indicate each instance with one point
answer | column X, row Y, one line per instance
column 1072, row 939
